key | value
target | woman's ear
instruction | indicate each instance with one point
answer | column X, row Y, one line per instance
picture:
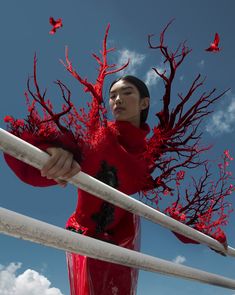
column 144, row 103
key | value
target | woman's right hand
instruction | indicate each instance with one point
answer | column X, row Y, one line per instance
column 61, row 166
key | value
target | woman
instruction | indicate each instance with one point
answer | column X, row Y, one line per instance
column 115, row 157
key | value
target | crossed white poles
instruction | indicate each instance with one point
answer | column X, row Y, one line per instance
column 20, row 226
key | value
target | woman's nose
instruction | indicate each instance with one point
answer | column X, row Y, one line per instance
column 118, row 100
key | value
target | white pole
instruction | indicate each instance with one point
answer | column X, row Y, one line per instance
column 20, row 226
column 30, row 154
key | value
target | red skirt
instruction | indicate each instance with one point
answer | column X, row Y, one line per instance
column 88, row 276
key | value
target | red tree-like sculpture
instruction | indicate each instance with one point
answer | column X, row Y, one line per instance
column 175, row 145
column 173, row 148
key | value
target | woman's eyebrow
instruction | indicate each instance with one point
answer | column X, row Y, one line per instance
column 122, row 88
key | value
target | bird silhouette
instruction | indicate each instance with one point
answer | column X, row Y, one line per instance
column 56, row 25
column 214, row 46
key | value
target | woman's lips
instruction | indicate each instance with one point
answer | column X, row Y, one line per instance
column 117, row 110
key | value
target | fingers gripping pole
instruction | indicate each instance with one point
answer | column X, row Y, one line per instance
column 32, row 155
column 27, row 228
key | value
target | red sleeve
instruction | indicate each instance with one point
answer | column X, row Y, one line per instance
column 27, row 173
column 185, row 239
column 219, row 235
column 31, row 175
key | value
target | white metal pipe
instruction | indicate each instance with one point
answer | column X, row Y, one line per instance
column 30, row 154
column 20, row 226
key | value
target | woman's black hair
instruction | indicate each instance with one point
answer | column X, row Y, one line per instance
column 143, row 90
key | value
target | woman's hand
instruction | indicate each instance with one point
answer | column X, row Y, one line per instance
column 61, row 166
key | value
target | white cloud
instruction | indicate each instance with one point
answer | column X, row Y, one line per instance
column 201, row 64
column 136, row 59
column 181, row 77
column 179, row 259
column 222, row 121
column 152, row 78
column 30, row 282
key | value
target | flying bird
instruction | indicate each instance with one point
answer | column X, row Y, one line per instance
column 56, row 25
column 214, row 46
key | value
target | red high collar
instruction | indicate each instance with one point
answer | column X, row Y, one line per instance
column 132, row 138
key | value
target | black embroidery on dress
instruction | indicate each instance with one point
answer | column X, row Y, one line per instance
column 108, row 174
column 105, row 216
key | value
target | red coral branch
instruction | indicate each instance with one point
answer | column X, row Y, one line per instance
column 46, row 105
column 206, row 209
column 97, row 108
column 80, row 123
column 175, row 147
column 177, row 131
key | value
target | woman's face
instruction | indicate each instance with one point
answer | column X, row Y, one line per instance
column 125, row 102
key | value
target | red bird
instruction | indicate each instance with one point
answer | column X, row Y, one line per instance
column 214, row 46
column 56, row 24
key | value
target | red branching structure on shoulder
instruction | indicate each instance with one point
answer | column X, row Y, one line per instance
column 175, row 145
column 177, row 129
column 80, row 124
column 205, row 207
column 47, row 105
column 96, row 116
column 48, row 126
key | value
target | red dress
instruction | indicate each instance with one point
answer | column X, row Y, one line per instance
column 115, row 156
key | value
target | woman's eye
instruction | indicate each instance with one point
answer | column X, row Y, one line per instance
column 124, row 93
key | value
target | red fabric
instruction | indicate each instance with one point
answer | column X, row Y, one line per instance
column 220, row 236
column 92, row 277
column 184, row 239
column 113, row 146
column 28, row 174
column 112, row 150
column 31, row 175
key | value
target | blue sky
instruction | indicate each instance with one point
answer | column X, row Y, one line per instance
column 24, row 30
